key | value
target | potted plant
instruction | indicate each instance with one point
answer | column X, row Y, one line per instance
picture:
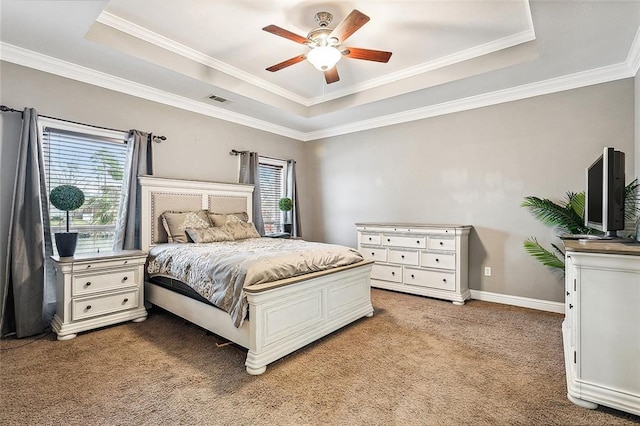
column 66, row 198
column 286, row 205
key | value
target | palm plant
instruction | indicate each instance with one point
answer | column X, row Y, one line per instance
column 567, row 217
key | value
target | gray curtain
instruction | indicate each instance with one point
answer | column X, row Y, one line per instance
column 29, row 287
column 249, row 162
column 140, row 162
column 292, row 192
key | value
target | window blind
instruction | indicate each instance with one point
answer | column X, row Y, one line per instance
column 271, row 190
column 95, row 165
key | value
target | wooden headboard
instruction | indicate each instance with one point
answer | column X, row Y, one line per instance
column 161, row 194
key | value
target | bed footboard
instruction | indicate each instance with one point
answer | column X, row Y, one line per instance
column 284, row 319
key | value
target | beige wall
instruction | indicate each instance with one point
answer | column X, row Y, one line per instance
column 474, row 168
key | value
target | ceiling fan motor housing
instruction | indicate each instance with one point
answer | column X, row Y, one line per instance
column 320, row 36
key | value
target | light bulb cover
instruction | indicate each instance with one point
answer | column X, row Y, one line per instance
column 324, row 57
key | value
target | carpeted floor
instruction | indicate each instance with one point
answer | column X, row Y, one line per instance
column 416, row 361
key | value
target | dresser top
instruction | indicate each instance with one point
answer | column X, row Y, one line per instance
column 413, row 225
column 603, row 246
column 99, row 256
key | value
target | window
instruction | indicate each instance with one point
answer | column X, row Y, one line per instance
column 273, row 177
column 94, row 161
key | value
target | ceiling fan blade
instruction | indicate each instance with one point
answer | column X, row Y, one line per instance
column 331, row 75
column 349, row 25
column 367, row 54
column 287, row 63
column 274, row 29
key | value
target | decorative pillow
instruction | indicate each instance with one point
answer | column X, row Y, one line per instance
column 219, row 219
column 209, row 235
column 176, row 224
column 239, row 229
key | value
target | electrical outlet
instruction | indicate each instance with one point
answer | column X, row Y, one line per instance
column 487, row 271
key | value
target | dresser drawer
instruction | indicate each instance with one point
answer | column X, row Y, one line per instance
column 104, row 264
column 404, row 241
column 403, row 257
column 107, row 304
column 103, row 280
column 377, row 254
column 432, row 279
column 387, row 273
column 442, row 243
column 439, row 260
column 373, row 239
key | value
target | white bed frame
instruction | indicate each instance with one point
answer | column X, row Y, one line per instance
column 284, row 315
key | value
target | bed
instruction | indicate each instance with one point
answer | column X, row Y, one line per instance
column 283, row 315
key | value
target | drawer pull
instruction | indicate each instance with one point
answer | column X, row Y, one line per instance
column 88, row 307
column 567, row 293
column 388, row 240
column 441, row 243
column 370, row 238
column 126, row 261
column 437, row 260
column 402, row 256
column 125, row 278
column 373, row 254
column 393, row 273
column 88, row 284
column 444, row 280
column 413, row 276
column 570, row 306
column 88, row 266
column 417, row 241
column 125, row 300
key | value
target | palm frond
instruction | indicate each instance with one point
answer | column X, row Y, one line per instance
column 546, row 257
column 575, row 201
column 555, row 215
column 632, row 201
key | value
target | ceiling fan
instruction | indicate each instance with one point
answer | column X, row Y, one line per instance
column 326, row 44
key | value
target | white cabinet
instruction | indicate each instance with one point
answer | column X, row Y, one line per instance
column 429, row 260
column 601, row 330
column 98, row 290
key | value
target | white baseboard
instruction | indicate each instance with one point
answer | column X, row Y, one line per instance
column 524, row 302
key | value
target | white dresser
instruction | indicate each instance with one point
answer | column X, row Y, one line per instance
column 98, row 290
column 429, row 260
column 601, row 330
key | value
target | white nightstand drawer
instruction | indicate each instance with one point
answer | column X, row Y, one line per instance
column 439, row 260
column 377, row 254
column 409, row 242
column 433, row 279
column 442, row 243
column 403, row 257
column 87, row 266
column 91, row 307
column 387, row 273
column 103, row 280
column 373, row 239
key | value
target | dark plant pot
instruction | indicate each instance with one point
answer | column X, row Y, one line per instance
column 287, row 228
column 66, row 243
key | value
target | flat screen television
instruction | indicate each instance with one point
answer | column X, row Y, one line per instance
column 604, row 194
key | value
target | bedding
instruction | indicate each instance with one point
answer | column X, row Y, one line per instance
column 220, row 271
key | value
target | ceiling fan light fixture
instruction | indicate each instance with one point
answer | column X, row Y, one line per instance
column 324, row 57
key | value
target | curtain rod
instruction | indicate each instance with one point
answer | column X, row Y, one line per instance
column 236, row 152
column 4, row 108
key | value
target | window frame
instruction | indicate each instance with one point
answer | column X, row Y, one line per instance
column 95, row 133
column 283, row 183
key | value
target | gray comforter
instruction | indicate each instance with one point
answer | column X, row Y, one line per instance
column 220, row 271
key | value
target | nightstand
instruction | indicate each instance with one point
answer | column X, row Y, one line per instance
column 97, row 290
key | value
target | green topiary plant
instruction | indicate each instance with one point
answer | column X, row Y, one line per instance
column 67, row 198
column 285, row 204
column 567, row 217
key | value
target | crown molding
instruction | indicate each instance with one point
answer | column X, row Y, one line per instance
column 30, row 59
column 162, row 42
column 559, row 84
column 464, row 55
column 51, row 65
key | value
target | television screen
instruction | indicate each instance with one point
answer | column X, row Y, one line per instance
column 604, row 202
